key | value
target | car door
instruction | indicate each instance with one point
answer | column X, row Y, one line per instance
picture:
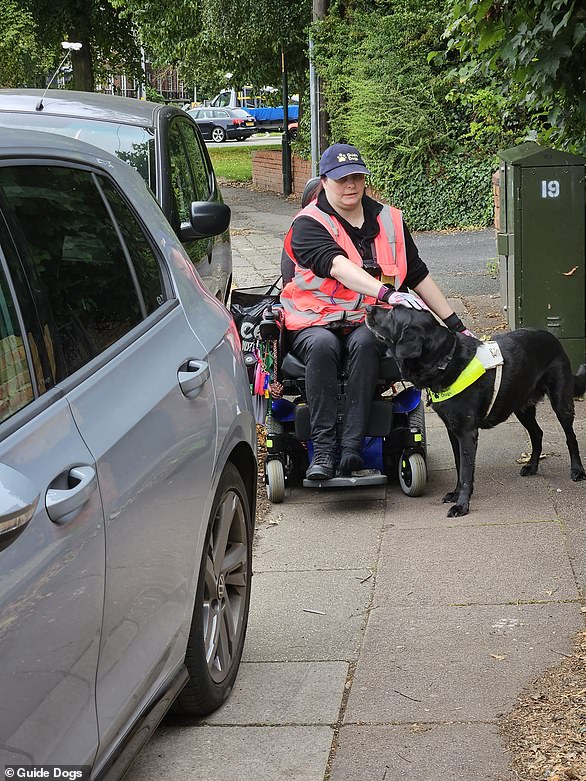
column 149, row 418
column 204, row 123
column 52, row 558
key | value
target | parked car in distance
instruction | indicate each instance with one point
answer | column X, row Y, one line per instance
column 161, row 142
column 219, row 124
column 127, row 464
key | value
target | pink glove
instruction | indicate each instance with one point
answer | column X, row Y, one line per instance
column 466, row 332
column 409, row 300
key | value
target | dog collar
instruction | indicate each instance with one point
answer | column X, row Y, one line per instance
column 471, row 373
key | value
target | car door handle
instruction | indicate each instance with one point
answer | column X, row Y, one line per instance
column 62, row 502
column 18, row 501
column 192, row 375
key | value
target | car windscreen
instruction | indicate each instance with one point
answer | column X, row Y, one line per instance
column 131, row 143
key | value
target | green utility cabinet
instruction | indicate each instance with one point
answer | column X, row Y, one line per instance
column 541, row 243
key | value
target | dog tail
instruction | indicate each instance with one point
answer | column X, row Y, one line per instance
column 580, row 381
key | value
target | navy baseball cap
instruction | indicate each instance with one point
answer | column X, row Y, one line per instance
column 341, row 160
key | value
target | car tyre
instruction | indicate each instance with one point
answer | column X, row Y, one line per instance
column 220, row 613
column 218, row 135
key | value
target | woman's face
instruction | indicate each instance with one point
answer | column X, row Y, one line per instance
column 344, row 194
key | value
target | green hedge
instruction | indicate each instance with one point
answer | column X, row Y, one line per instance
column 455, row 194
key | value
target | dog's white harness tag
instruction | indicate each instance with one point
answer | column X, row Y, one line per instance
column 489, row 354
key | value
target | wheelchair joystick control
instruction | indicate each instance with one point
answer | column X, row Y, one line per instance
column 269, row 325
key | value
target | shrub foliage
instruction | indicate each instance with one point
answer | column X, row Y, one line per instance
column 429, row 137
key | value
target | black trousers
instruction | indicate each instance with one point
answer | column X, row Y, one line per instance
column 325, row 352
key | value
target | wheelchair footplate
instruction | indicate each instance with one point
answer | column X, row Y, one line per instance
column 365, row 477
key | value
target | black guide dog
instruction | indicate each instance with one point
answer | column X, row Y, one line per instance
column 535, row 365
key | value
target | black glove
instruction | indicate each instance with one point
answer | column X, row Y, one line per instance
column 456, row 326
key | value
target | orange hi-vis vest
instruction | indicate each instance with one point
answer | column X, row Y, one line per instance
column 311, row 300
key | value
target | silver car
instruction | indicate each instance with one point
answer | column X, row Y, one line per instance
column 127, row 464
column 162, row 142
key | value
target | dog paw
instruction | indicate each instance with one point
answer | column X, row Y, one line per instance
column 578, row 474
column 528, row 470
column 457, row 510
column 450, row 497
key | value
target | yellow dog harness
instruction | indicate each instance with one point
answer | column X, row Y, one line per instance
column 488, row 356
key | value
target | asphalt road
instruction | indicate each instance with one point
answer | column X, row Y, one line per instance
column 259, row 139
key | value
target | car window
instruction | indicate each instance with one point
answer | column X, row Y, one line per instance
column 181, row 179
column 36, row 320
column 64, row 231
column 15, row 378
column 144, row 261
column 199, row 167
column 133, row 144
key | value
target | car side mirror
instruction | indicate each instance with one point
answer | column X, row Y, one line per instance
column 207, row 218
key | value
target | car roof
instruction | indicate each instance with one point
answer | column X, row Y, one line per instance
column 88, row 105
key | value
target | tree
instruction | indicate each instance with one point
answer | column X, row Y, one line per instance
column 107, row 38
column 537, row 48
column 207, row 38
column 21, row 54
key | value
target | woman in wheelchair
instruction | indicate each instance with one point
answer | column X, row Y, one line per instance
column 348, row 251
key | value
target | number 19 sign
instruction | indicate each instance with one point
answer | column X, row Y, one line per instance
column 550, row 189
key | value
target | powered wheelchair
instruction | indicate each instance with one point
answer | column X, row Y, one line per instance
column 395, row 442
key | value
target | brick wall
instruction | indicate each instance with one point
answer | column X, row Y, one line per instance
column 267, row 171
column 15, row 383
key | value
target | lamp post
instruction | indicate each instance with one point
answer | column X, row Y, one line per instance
column 285, row 139
column 319, row 125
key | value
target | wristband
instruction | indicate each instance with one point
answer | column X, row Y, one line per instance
column 384, row 293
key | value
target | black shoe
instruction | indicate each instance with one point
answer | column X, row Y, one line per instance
column 321, row 467
column 350, row 461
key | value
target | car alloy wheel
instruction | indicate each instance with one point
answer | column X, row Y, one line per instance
column 218, row 135
column 222, row 600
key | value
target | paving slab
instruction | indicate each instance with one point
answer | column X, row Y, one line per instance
column 479, row 564
column 306, row 537
column 420, row 752
column 524, row 500
column 336, row 498
column 500, row 495
column 234, row 754
column 570, row 503
column 280, row 629
column 278, row 693
column 455, row 663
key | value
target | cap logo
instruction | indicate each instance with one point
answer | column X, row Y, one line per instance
column 351, row 156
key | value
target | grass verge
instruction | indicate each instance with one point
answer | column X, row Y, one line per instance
column 234, row 162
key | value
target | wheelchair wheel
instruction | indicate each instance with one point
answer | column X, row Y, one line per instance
column 412, row 474
column 275, row 477
column 417, row 420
